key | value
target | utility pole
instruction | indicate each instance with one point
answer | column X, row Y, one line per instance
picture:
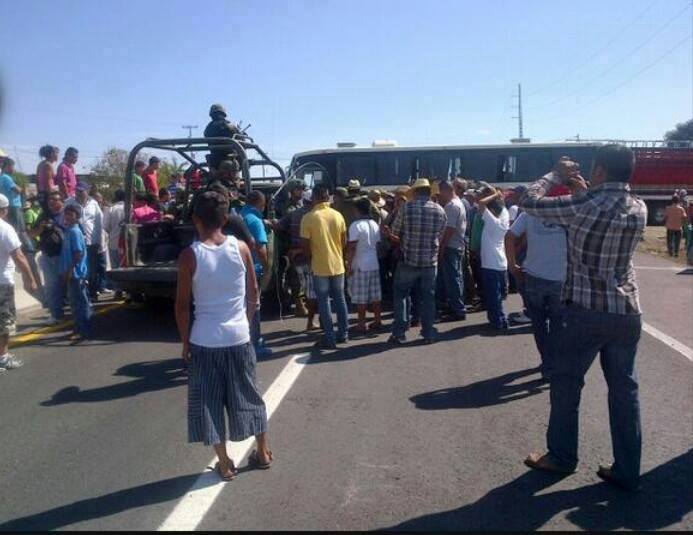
column 521, row 138
column 16, row 157
column 190, row 128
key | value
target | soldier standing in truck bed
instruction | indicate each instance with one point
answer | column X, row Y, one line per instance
column 219, row 126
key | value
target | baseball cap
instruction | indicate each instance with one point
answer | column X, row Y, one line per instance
column 4, row 202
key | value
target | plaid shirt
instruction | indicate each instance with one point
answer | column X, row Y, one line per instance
column 419, row 224
column 604, row 226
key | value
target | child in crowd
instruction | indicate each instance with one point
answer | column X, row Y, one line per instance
column 363, row 268
column 73, row 269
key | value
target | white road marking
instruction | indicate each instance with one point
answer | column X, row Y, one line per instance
column 668, row 340
column 191, row 508
column 662, row 268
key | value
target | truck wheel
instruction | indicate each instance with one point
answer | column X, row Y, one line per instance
column 655, row 213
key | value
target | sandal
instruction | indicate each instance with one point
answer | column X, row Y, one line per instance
column 544, row 462
column 255, row 462
column 225, row 477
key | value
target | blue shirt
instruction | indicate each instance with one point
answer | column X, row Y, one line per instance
column 547, row 254
column 73, row 242
column 7, row 188
column 253, row 220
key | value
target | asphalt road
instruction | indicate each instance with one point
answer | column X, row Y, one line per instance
column 368, row 437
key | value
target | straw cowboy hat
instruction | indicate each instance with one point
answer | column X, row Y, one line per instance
column 354, row 184
column 376, row 198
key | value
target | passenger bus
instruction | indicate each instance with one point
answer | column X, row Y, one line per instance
column 661, row 167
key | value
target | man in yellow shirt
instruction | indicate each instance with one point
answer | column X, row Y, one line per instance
column 323, row 235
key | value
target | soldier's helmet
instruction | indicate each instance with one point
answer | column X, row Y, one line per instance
column 217, row 109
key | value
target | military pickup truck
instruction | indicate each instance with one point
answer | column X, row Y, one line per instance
column 150, row 251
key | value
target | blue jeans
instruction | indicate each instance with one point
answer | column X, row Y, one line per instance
column 493, row 284
column 452, row 279
column 583, row 334
column 543, row 299
column 326, row 288
column 80, row 306
column 54, row 287
column 415, row 279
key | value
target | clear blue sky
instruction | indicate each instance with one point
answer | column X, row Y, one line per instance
column 307, row 74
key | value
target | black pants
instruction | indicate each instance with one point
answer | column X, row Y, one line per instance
column 96, row 264
column 673, row 242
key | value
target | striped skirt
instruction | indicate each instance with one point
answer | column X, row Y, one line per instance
column 221, row 383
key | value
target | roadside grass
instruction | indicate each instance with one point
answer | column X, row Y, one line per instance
column 655, row 243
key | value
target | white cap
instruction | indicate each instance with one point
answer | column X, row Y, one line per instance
column 4, row 203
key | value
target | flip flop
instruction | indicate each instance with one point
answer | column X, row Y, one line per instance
column 538, row 461
column 254, row 461
column 217, row 469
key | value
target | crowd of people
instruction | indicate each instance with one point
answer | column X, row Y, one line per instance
column 434, row 249
column 68, row 234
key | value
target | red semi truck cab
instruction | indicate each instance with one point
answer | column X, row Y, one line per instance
column 659, row 172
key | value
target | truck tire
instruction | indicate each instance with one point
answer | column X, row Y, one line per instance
column 655, row 213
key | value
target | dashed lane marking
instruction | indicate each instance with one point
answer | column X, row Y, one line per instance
column 668, row 340
column 38, row 334
column 192, row 508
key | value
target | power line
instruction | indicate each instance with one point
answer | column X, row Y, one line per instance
column 619, row 61
column 641, row 71
column 633, row 77
column 561, row 79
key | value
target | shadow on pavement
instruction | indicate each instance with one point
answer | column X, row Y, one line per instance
column 484, row 393
column 664, row 499
column 103, row 506
column 149, row 377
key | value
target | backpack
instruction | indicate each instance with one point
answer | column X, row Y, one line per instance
column 51, row 240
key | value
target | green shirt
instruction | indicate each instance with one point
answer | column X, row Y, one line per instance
column 477, row 229
column 138, row 183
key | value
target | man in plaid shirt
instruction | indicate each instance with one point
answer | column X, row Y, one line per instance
column 417, row 229
column 602, row 313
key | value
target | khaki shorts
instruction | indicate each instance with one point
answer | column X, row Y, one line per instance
column 8, row 312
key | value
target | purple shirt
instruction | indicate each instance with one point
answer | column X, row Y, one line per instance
column 65, row 179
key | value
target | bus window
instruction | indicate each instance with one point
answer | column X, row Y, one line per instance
column 506, row 169
column 350, row 166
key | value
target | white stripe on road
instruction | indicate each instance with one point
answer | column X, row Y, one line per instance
column 192, row 507
column 662, row 268
column 668, row 340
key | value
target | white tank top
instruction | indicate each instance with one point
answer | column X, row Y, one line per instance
column 218, row 288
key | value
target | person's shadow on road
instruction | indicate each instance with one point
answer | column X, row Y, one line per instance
column 482, row 393
column 664, row 500
column 148, row 377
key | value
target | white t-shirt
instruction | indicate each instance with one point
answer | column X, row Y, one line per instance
column 493, row 240
column 513, row 212
column 9, row 241
column 366, row 233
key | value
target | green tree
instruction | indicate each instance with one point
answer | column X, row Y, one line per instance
column 109, row 171
column 682, row 132
column 168, row 167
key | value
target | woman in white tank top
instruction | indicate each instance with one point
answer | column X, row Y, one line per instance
column 216, row 274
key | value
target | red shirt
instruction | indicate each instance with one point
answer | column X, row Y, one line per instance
column 150, row 181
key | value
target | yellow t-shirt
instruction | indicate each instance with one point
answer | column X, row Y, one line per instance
column 325, row 228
